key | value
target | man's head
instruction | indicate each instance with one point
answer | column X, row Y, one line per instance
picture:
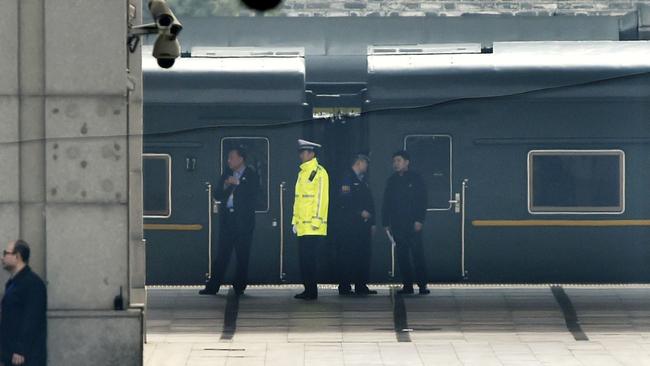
column 16, row 256
column 307, row 150
column 306, row 155
column 236, row 158
column 401, row 160
column 360, row 164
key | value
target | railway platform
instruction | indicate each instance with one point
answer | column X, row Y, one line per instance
column 581, row 325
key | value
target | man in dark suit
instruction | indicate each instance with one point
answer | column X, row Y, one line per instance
column 404, row 209
column 354, row 222
column 237, row 190
column 23, row 323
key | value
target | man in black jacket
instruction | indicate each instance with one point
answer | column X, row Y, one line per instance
column 403, row 212
column 23, row 325
column 237, row 190
column 354, row 220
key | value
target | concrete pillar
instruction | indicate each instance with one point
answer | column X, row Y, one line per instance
column 137, row 258
column 70, row 95
column 9, row 128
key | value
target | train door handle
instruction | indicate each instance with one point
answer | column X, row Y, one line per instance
column 457, row 202
column 215, row 206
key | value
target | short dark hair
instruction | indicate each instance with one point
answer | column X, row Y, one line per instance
column 21, row 247
column 403, row 154
column 358, row 157
column 240, row 151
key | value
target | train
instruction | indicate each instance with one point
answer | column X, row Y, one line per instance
column 536, row 156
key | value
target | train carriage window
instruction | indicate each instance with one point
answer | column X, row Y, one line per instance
column 576, row 181
column 157, row 181
column 431, row 157
column 257, row 150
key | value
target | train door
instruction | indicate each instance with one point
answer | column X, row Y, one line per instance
column 433, row 156
column 175, row 220
column 271, row 152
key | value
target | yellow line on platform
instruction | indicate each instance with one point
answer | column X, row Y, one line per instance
column 174, row 227
column 502, row 223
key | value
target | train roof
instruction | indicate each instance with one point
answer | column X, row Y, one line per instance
column 233, row 75
column 428, row 73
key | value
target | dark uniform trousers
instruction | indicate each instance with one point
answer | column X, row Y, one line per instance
column 409, row 246
column 352, row 233
column 232, row 236
column 354, row 251
column 308, row 246
column 405, row 203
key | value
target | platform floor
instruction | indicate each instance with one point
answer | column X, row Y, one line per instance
column 454, row 325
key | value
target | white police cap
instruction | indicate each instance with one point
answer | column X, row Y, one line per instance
column 307, row 145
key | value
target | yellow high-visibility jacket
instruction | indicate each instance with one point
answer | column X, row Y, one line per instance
column 311, row 200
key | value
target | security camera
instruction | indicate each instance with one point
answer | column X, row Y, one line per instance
column 164, row 17
column 166, row 50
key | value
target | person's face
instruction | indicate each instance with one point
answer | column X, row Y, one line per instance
column 9, row 258
column 234, row 160
column 306, row 155
column 400, row 164
column 362, row 166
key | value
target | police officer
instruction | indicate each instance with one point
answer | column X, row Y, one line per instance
column 238, row 189
column 310, row 215
column 355, row 219
column 403, row 211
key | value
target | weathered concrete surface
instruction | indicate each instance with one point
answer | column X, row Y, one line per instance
column 86, row 149
column 107, row 338
column 72, row 233
column 69, row 168
column 9, row 46
column 85, row 47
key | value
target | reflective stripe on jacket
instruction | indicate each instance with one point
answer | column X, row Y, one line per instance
column 311, row 200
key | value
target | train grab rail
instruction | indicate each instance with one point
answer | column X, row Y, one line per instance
column 283, row 188
column 208, row 188
column 459, row 203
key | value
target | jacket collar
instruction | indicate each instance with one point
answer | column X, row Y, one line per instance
column 244, row 169
column 22, row 273
column 309, row 165
column 359, row 177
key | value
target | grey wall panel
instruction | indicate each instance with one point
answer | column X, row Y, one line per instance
column 86, row 149
column 87, row 255
column 9, row 47
column 9, row 228
column 85, row 47
column 109, row 338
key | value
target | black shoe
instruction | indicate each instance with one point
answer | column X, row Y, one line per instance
column 306, row 296
column 209, row 291
column 405, row 291
column 239, row 291
column 364, row 290
column 424, row 291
